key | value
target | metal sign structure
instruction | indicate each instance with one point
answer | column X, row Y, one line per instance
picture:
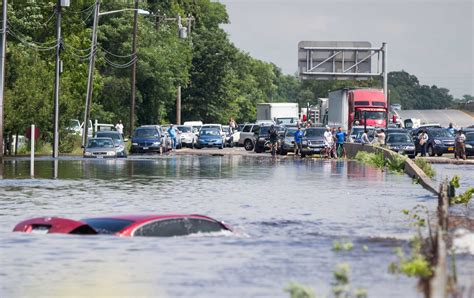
column 343, row 60
column 339, row 60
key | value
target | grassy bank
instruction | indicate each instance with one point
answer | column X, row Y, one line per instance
column 394, row 164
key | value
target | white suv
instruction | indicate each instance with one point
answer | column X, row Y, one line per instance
column 247, row 136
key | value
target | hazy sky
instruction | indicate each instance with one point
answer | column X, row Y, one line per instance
column 432, row 39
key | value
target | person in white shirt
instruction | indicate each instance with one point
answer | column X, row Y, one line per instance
column 119, row 127
column 364, row 139
column 380, row 137
column 328, row 139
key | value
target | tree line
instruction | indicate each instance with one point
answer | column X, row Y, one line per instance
column 219, row 80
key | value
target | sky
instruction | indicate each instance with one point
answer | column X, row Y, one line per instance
column 431, row 39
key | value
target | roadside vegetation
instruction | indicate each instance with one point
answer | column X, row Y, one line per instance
column 425, row 167
column 394, row 164
column 341, row 286
column 463, row 198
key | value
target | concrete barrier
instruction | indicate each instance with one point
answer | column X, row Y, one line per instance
column 410, row 166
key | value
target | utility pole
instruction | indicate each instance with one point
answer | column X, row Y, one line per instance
column 178, row 105
column 91, row 73
column 385, row 81
column 183, row 33
column 56, row 82
column 134, row 68
column 2, row 74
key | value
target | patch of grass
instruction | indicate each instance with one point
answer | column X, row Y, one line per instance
column 297, row 290
column 343, row 245
column 415, row 265
column 425, row 167
column 463, row 198
column 395, row 163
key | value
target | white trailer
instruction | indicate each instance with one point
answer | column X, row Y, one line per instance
column 338, row 109
column 271, row 111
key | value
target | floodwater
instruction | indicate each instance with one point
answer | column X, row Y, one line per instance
column 287, row 214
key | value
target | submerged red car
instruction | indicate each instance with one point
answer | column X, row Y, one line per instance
column 125, row 225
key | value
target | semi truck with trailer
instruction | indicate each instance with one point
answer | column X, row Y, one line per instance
column 358, row 106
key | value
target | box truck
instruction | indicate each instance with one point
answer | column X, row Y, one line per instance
column 285, row 113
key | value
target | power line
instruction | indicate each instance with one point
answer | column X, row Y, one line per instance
column 116, row 55
column 32, row 44
column 125, row 65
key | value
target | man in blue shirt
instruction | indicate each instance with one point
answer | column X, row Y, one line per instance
column 340, row 138
column 298, row 141
column 172, row 134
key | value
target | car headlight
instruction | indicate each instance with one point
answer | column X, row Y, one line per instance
column 469, row 146
column 87, row 153
column 437, row 142
column 156, row 143
column 110, row 153
column 134, row 144
column 305, row 142
column 409, row 147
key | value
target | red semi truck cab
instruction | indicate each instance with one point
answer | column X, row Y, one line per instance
column 349, row 107
column 367, row 104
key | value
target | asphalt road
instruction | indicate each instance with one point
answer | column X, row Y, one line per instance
column 443, row 117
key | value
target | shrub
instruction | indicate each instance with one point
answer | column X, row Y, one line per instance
column 425, row 167
column 70, row 143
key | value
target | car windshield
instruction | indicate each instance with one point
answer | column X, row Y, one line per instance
column 398, row 138
column 107, row 225
column 470, row 136
column 113, row 136
column 373, row 115
column 264, row 129
column 358, row 133
column 314, row 132
column 440, row 133
column 146, row 133
column 100, row 143
column 286, row 121
column 184, row 128
column 226, row 129
column 291, row 132
column 210, row 132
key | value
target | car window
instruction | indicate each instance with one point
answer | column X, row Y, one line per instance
column 314, row 132
column 114, row 136
column 100, row 143
column 184, row 128
column 210, row 132
column 107, row 225
column 255, row 128
column 291, row 132
column 177, row 227
column 146, row 133
column 437, row 133
column 398, row 138
column 247, row 128
column 470, row 136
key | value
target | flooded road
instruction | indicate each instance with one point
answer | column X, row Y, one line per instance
column 288, row 214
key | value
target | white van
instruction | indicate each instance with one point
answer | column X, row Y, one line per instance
column 192, row 123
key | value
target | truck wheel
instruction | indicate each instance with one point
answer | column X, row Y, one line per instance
column 248, row 145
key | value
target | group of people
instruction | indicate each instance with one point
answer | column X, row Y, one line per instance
column 379, row 137
column 334, row 142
